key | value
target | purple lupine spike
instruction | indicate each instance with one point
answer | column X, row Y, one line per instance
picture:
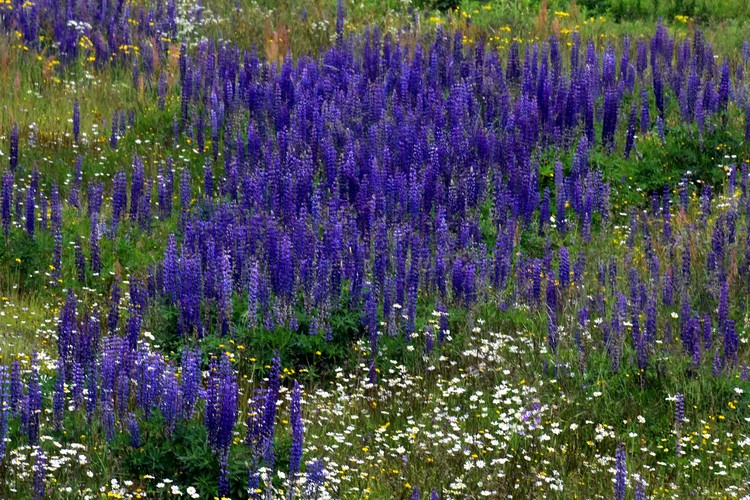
column 340, row 20
column 731, row 343
column 316, row 475
column 144, row 209
column 57, row 251
column 122, row 127
column 221, row 414
column 620, row 472
column 40, row 473
column 434, row 495
column 119, row 199
column 269, row 412
column 13, row 155
column 16, row 388
column 133, row 328
column 135, row 431
column 80, row 260
column 30, row 211
column 429, row 342
column 55, row 209
column 679, row 409
column 225, row 293
column 95, row 196
column 641, row 57
column 113, row 316
column 170, row 269
column 34, row 401
column 253, row 296
column 295, row 419
column 7, row 200
column 564, row 268
column 76, row 120
column 415, row 493
column 609, row 124
column 190, row 381
column 113, row 135
column 640, row 489
column 724, row 89
column 92, row 396
column 5, row 407
column 253, row 483
column 78, row 384
column 137, row 188
column 185, row 191
column 630, row 134
column 165, row 189
column 707, row 333
column 641, row 346
column 716, row 366
column 658, row 89
column 191, row 291
column 551, row 299
column 95, row 259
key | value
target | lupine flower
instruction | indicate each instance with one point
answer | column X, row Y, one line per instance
column 295, row 418
column 731, row 343
column 114, row 135
column 58, row 398
column 95, row 260
column 108, row 420
column 340, row 18
column 119, row 199
column 80, row 260
column 7, row 198
column 34, row 401
column 221, row 414
column 640, row 489
column 40, row 473
column 630, row 135
column 269, row 412
column 679, row 409
column 551, row 296
column 135, row 431
column 162, row 90
column 5, row 408
column 13, row 155
column 620, row 472
column 30, row 211
column 564, row 268
column 16, row 388
column 76, row 120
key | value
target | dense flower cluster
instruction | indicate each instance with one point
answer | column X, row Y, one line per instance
column 386, row 179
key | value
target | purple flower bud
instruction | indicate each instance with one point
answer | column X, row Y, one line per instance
column 76, row 120
column 5, row 408
column 13, row 155
column 34, row 401
column 679, row 409
column 620, row 472
column 135, row 431
column 40, row 473
column 295, row 418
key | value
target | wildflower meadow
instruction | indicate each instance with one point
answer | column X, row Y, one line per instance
column 409, row 249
